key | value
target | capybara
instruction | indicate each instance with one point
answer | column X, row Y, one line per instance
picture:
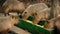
column 40, row 11
column 7, row 22
column 13, row 6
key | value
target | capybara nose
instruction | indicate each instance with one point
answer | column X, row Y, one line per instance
column 20, row 16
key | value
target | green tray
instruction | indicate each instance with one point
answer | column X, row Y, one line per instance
column 31, row 18
column 32, row 28
column 42, row 22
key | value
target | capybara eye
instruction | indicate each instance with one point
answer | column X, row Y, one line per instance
column 35, row 13
column 25, row 12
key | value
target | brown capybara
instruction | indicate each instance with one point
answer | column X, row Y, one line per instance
column 13, row 6
column 40, row 11
column 54, row 24
column 7, row 22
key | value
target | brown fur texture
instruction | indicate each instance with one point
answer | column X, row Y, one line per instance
column 40, row 11
column 7, row 22
column 10, row 5
column 55, row 22
column 58, row 10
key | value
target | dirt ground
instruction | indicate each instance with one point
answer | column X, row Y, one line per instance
column 19, row 30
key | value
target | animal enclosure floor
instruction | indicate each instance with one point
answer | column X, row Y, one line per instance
column 18, row 30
